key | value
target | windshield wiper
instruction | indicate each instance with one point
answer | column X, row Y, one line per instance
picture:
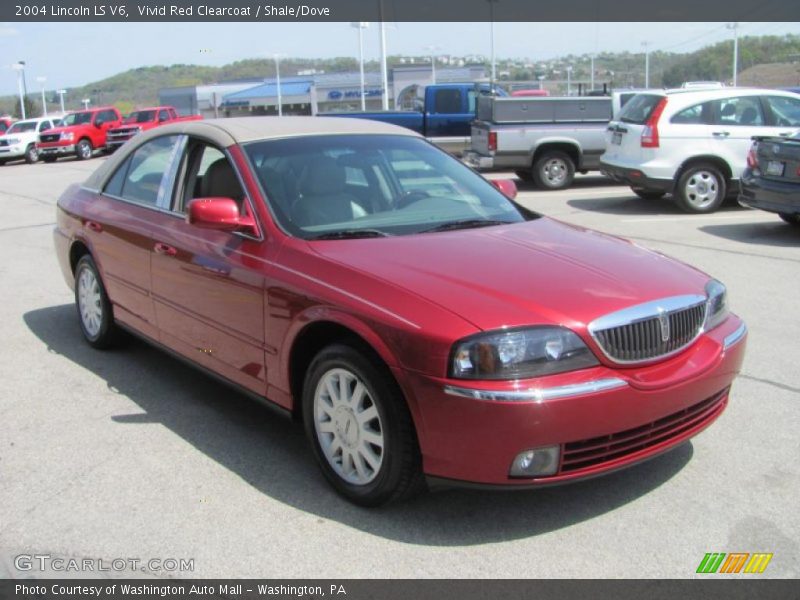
column 349, row 234
column 465, row 224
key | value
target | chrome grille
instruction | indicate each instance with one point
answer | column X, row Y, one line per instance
column 665, row 330
column 49, row 137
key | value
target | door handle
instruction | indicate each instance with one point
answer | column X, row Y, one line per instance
column 721, row 133
column 164, row 249
column 93, row 226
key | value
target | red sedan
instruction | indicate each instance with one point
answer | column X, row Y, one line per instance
column 419, row 322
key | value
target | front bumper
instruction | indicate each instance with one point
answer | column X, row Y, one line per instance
column 55, row 150
column 769, row 195
column 602, row 418
column 10, row 152
column 635, row 178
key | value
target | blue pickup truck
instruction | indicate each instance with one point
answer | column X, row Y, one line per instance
column 446, row 116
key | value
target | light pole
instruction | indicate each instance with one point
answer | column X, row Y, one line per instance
column 735, row 27
column 491, row 43
column 19, row 67
column 432, row 49
column 384, row 70
column 569, row 80
column 591, row 73
column 86, row 103
column 277, row 58
column 61, row 98
column 41, row 80
column 646, row 64
column 361, row 26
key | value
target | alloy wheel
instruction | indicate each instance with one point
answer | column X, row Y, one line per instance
column 90, row 302
column 702, row 189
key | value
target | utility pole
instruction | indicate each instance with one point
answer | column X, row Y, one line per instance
column 384, row 70
column 277, row 58
column 61, row 98
column 491, row 42
column 646, row 64
column 361, row 26
column 19, row 67
column 735, row 27
column 591, row 74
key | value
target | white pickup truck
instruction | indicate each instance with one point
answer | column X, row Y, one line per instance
column 19, row 142
column 543, row 139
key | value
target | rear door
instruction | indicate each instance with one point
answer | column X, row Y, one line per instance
column 735, row 121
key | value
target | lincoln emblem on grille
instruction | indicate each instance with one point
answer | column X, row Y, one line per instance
column 663, row 321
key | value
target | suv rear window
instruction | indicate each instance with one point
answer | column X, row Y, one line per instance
column 639, row 108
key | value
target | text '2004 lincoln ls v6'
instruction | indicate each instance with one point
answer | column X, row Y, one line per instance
column 421, row 324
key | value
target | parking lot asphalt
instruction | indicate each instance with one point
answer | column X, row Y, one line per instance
column 131, row 454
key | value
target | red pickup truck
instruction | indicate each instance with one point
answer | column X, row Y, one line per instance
column 83, row 132
column 142, row 120
column 5, row 123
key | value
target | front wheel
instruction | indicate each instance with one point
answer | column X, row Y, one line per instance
column 701, row 188
column 791, row 218
column 31, row 154
column 360, row 428
column 83, row 150
column 94, row 308
column 553, row 170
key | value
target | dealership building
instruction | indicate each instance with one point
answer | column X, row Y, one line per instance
column 313, row 94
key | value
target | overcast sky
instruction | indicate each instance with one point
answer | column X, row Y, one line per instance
column 72, row 54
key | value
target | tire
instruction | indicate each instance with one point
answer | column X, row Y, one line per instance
column 553, row 170
column 647, row 194
column 95, row 313
column 367, row 447
column 701, row 188
column 524, row 175
column 49, row 159
column 31, row 154
column 791, row 218
column 83, row 149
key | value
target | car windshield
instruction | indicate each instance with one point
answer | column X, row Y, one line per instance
column 80, row 118
column 22, row 127
column 339, row 186
column 141, row 116
column 639, row 108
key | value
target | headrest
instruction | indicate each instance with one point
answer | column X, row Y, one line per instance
column 323, row 176
column 220, row 181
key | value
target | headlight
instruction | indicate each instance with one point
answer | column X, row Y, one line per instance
column 519, row 354
column 716, row 305
column 67, row 136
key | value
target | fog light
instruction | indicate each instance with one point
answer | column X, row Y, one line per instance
column 537, row 462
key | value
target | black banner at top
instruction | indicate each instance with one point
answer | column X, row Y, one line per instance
column 396, row 10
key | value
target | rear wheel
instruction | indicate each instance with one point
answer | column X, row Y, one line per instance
column 791, row 218
column 648, row 194
column 31, row 154
column 94, row 308
column 83, row 149
column 553, row 170
column 701, row 188
column 360, row 428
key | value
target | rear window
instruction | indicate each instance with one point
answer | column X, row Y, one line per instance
column 639, row 108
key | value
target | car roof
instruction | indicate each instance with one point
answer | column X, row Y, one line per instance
column 35, row 120
column 240, row 130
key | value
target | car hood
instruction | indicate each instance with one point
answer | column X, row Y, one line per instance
column 538, row 272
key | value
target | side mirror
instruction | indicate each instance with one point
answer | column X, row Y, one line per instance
column 221, row 214
column 506, row 186
column 99, row 123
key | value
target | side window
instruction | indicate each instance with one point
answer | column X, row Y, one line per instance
column 694, row 115
column 472, row 99
column 44, row 126
column 785, row 111
column 114, row 185
column 447, row 101
column 209, row 174
column 145, row 181
column 163, row 115
column 740, row 111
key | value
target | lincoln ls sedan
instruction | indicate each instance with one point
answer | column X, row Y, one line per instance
column 423, row 326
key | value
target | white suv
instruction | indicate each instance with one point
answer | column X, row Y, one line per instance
column 691, row 143
column 19, row 142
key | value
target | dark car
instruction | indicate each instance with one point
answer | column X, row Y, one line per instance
column 771, row 180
